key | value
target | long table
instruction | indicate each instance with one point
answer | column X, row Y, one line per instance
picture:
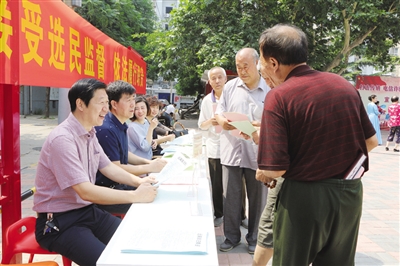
column 176, row 207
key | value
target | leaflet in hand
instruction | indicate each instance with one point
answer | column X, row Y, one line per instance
column 164, row 241
column 241, row 122
column 232, row 116
column 244, row 126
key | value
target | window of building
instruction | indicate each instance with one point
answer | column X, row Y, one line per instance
column 168, row 9
column 394, row 51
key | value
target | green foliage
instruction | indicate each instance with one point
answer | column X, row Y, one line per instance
column 206, row 33
column 120, row 19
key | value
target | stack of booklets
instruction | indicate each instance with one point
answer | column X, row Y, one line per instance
column 157, row 241
column 356, row 170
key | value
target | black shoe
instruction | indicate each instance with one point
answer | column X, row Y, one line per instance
column 218, row 221
column 387, row 148
column 227, row 246
column 251, row 249
column 396, row 150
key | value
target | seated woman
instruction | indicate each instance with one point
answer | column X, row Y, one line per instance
column 161, row 133
column 140, row 131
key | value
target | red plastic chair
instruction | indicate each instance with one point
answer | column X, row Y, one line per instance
column 20, row 238
column 42, row 263
column 119, row 215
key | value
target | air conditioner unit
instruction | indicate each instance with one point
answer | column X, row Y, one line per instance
column 167, row 15
column 76, row 3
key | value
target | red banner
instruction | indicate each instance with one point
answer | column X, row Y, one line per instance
column 378, row 83
column 45, row 43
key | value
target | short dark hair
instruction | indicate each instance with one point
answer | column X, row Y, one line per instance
column 373, row 96
column 286, row 43
column 84, row 89
column 139, row 100
column 394, row 99
column 117, row 88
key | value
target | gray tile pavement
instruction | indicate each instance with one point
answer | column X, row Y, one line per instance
column 378, row 242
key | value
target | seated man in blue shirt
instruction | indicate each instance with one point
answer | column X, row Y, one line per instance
column 113, row 139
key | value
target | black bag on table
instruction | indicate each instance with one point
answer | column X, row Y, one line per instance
column 179, row 132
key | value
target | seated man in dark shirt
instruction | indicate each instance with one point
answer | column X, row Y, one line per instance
column 113, row 139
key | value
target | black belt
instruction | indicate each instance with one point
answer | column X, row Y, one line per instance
column 42, row 215
column 55, row 214
column 337, row 177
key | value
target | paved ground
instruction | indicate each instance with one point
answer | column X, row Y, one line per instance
column 378, row 242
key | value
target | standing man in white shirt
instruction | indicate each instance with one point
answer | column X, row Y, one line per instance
column 244, row 95
column 217, row 79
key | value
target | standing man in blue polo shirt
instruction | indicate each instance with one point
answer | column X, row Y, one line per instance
column 113, row 139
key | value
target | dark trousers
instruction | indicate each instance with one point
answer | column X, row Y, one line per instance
column 317, row 222
column 84, row 233
column 233, row 186
column 394, row 131
column 215, row 168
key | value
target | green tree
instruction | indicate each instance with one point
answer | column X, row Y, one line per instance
column 206, row 33
column 120, row 19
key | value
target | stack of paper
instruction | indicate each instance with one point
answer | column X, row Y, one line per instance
column 164, row 241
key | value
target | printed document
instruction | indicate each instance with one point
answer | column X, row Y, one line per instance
column 175, row 166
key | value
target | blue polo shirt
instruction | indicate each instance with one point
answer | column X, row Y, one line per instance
column 113, row 139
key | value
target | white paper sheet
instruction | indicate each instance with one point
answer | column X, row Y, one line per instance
column 168, row 242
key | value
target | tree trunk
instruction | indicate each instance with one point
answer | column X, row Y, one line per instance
column 47, row 103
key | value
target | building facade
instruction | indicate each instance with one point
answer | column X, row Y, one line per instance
column 163, row 10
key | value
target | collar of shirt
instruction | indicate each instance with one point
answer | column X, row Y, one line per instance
column 262, row 85
column 213, row 99
column 79, row 130
column 116, row 122
column 299, row 71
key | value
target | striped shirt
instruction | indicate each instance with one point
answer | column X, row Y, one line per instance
column 69, row 156
column 237, row 97
column 314, row 126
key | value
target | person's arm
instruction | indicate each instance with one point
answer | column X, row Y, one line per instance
column 206, row 115
column 115, row 172
column 208, row 123
column 160, row 140
column 376, row 111
column 160, row 130
column 103, row 195
column 137, row 160
column 164, row 127
column 142, row 166
column 224, row 123
column 371, row 142
column 268, row 177
column 149, row 136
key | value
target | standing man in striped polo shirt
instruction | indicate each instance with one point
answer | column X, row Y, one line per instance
column 311, row 141
column 244, row 95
